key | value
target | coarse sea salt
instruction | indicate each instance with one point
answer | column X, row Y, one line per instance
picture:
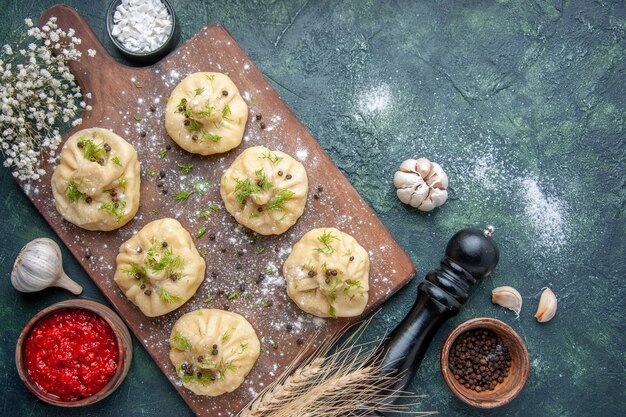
column 141, row 25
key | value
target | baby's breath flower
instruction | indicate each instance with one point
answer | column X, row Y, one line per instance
column 38, row 95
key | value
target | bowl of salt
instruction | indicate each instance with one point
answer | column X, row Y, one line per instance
column 143, row 30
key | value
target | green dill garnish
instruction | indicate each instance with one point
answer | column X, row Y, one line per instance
column 199, row 91
column 233, row 295
column 243, row 347
column 135, row 270
column 325, row 239
column 162, row 153
column 208, row 212
column 121, row 182
column 225, row 112
column 258, row 251
column 72, row 192
column 165, row 296
column 137, row 117
column 181, row 105
column 206, row 136
column 266, row 303
column 271, row 157
column 92, row 151
column 269, row 271
column 182, row 196
column 162, row 258
column 193, row 125
column 200, row 185
column 272, row 344
column 331, row 312
column 227, row 74
column 244, row 189
column 210, row 77
column 208, row 299
column 201, row 231
column 152, row 173
column 278, row 202
column 261, row 180
column 116, row 209
column 185, row 169
column 225, row 335
column 182, row 343
column 252, row 101
column 116, row 160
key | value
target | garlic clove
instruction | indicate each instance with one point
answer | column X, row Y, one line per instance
column 547, row 306
column 423, row 167
column 39, row 265
column 437, row 177
column 507, row 297
column 409, row 166
column 403, row 179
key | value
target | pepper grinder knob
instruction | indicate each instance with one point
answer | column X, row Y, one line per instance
column 475, row 251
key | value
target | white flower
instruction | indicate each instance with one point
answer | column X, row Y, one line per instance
column 29, row 22
column 91, row 52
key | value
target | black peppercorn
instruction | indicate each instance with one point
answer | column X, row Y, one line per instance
column 107, row 147
column 162, row 174
column 316, row 196
column 200, row 358
column 226, row 306
column 148, row 292
column 153, row 108
column 259, row 116
column 194, row 137
column 168, row 146
column 80, row 144
column 113, row 193
column 242, row 287
column 300, row 341
column 211, row 236
column 280, row 173
column 260, row 278
column 214, row 274
column 116, row 205
column 214, row 351
column 262, row 124
column 225, row 93
column 88, row 200
column 101, row 161
column 164, row 244
column 289, row 327
column 143, row 133
column 288, row 176
column 187, row 122
column 142, row 286
column 88, row 255
column 351, row 258
column 199, row 374
column 312, row 274
column 173, row 277
column 181, row 109
column 320, row 188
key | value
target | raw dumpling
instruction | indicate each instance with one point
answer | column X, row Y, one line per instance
column 205, row 114
column 213, row 350
column 327, row 274
column 265, row 190
column 159, row 268
column 96, row 184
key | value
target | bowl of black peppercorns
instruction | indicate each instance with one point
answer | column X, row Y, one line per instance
column 484, row 362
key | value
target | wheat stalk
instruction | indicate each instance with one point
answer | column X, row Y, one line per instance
column 349, row 381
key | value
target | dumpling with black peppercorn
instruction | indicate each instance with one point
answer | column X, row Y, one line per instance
column 96, row 183
column 327, row 274
column 205, row 114
column 213, row 350
column 265, row 190
column 159, row 269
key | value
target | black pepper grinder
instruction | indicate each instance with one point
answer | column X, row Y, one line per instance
column 471, row 255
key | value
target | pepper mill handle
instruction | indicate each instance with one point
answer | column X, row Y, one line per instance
column 471, row 255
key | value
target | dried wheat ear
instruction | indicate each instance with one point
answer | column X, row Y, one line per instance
column 342, row 381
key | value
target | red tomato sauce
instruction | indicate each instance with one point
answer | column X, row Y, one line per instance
column 71, row 354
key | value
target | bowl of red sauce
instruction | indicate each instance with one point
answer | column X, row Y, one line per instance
column 74, row 353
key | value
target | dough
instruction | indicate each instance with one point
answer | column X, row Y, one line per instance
column 96, row 184
column 205, row 114
column 213, row 350
column 159, row 268
column 265, row 190
column 327, row 274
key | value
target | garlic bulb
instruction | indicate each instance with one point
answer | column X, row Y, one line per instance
column 547, row 306
column 507, row 297
column 39, row 265
column 421, row 184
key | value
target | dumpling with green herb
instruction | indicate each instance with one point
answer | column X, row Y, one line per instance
column 327, row 274
column 96, row 183
column 159, row 269
column 265, row 190
column 213, row 350
column 205, row 114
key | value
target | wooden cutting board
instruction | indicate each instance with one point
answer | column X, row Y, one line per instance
column 235, row 259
